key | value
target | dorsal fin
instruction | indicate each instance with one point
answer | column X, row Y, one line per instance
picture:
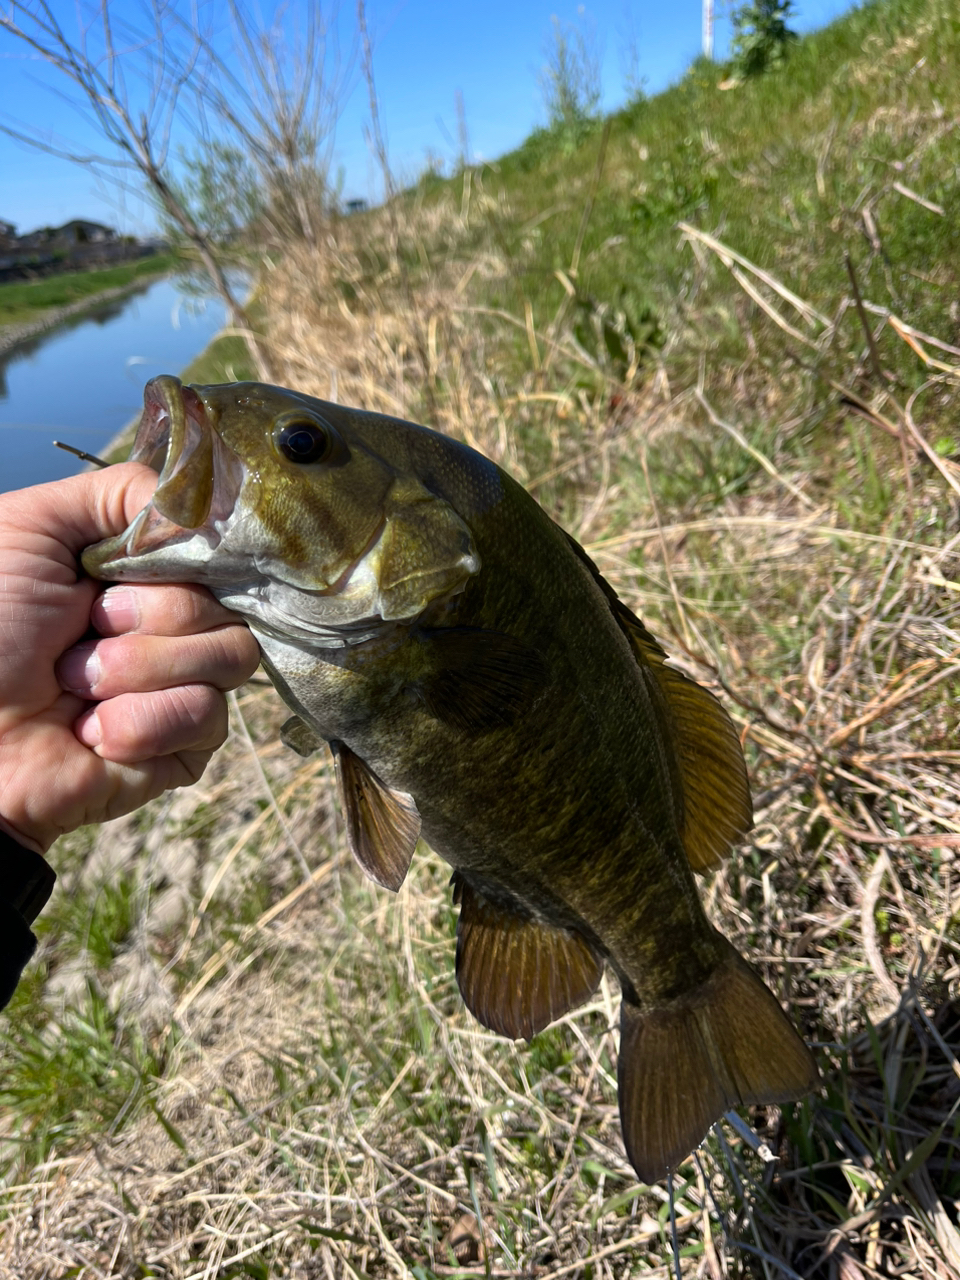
column 518, row 974
column 716, row 808
column 383, row 826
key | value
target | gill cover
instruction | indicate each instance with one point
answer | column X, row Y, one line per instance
column 424, row 552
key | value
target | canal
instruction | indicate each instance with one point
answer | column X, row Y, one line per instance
column 83, row 382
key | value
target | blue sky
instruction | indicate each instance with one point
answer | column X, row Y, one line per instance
column 424, row 52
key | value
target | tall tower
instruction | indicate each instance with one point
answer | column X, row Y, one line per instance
column 708, row 29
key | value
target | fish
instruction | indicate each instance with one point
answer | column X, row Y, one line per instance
column 481, row 686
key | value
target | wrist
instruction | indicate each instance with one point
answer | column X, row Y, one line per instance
column 22, row 838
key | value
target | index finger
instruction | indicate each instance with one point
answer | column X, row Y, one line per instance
column 158, row 609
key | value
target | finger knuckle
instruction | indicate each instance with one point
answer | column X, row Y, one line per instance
column 237, row 654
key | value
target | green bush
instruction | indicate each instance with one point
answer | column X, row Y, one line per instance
column 761, row 37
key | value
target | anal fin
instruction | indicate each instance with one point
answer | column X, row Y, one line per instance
column 518, row 974
column 383, row 826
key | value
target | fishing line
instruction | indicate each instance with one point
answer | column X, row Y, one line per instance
column 673, row 1226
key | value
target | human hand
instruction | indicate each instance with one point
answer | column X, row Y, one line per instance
column 92, row 728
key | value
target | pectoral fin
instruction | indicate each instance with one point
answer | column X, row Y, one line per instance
column 477, row 680
column 383, row 826
column 300, row 737
column 518, row 974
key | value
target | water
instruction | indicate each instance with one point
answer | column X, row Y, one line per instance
column 83, row 383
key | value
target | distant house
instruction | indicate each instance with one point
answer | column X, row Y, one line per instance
column 77, row 245
column 75, row 232
column 79, row 231
column 356, row 206
column 41, row 238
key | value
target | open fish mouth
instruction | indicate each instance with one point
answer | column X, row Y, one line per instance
column 200, row 478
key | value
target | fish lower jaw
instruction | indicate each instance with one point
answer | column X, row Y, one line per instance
column 268, row 616
column 318, row 638
column 152, row 549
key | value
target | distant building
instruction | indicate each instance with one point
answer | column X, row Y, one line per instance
column 356, row 206
column 76, row 231
column 78, row 245
column 79, row 231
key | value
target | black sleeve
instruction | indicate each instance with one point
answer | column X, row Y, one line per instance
column 26, row 882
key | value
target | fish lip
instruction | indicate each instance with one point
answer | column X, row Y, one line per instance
column 199, row 480
column 152, row 440
column 175, row 419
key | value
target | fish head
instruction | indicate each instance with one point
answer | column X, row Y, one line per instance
column 277, row 503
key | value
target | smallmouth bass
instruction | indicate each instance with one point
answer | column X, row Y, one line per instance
column 481, row 685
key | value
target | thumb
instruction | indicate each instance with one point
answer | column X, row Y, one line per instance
column 82, row 509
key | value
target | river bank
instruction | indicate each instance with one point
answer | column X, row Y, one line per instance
column 81, row 379
column 31, row 308
column 13, row 335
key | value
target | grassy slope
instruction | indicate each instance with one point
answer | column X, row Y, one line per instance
column 222, row 1072
column 782, row 168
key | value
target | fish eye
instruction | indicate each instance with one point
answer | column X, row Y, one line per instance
column 303, row 440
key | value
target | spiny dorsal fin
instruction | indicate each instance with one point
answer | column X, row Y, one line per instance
column 383, row 826
column 477, row 679
column 716, row 810
column 518, row 974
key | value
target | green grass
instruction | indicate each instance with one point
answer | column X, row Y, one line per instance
column 781, row 168
column 225, row 359
column 22, row 301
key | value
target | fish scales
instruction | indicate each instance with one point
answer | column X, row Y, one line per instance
column 582, row 760
column 480, row 684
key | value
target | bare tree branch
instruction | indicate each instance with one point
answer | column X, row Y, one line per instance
column 141, row 89
column 281, row 95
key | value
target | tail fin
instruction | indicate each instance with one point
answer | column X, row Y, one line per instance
column 682, row 1066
